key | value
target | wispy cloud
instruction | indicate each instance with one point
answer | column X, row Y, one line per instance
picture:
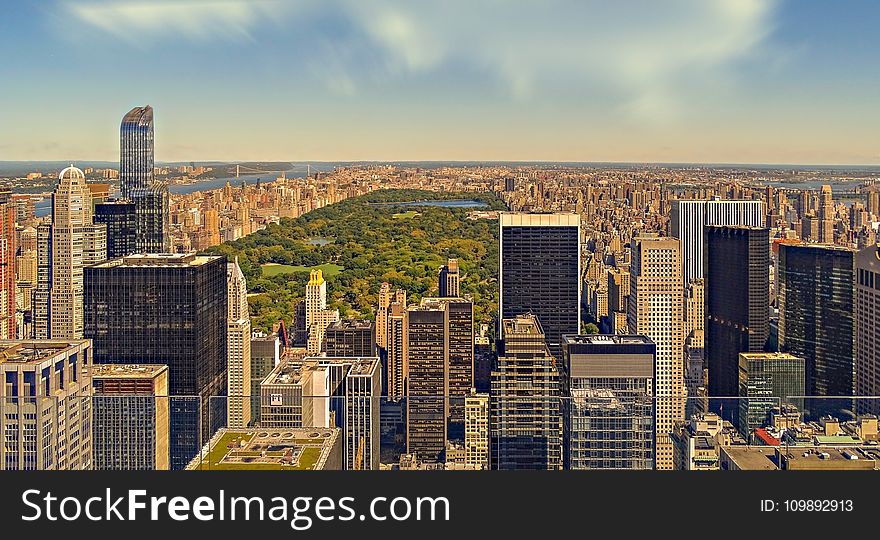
column 141, row 22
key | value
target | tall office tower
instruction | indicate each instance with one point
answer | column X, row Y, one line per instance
column 694, row 307
column 43, row 287
column 737, row 306
column 397, row 351
column 655, row 310
column 816, row 320
column 318, row 317
column 476, row 431
column 7, row 266
column 826, row 215
column 618, row 289
column 45, row 408
column 867, row 330
column 689, row 218
column 540, row 272
column 385, row 298
column 238, row 347
column 136, row 150
column 608, row 388
column 525, row 409
column 427, row 382
column 767, row 381
column 121, row 222
column 265, row 355
column 152, row 215
column 449, row 279
column 351, row 338
column 169, row 309
column 75, row 243
column 130, row 417
column 363, row 389
column 149, row 196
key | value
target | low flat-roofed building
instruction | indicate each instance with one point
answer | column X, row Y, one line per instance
column 824, row 458
column 747, row 458
column 289, row 449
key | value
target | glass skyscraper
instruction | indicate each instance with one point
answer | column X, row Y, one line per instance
column 150, row 197
column 541, row 272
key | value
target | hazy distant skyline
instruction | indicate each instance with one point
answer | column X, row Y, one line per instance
column 674, row 81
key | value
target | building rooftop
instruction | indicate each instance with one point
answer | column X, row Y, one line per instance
column 157, row 259
column 292, row 449
column 353, row 324
column 752, row 458
column 290, row 372
column 127, row 371
column 523, row 325
column 538, row 219
column 605, row 339
column 35, row 351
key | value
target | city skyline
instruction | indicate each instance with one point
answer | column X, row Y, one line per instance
column 721, row 82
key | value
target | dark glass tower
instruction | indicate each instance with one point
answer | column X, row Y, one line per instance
column 171, row 309
column 149, row 196
column 136, row 150
column 737, row 274
column 350, row 338
column 540, row 272
column 119, row 216
column 426, row 383
column 816, row 320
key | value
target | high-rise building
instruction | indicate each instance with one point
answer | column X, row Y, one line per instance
column 265, row 355
column 767, row 381
column 656, row 311
column 130, row 417
column 121, row 222
column 149, row 196
column 426, row 382
column 816, row 321
column 525, row 410
column 867, row 329
column 540, row 272
column 74, row 242
column 397, row 352
column 350, row 338
column 363, row 389
column 826, row 215
column 7, row 267
column 43, row 289
column 45, row 405
column 136, row 150
column 169, row 309
column 608, row 388
column 737, row 270
column 385, row 298
column 476, row 431
column 318, row 317
column 238, row 347
column 689, row 218
column 449, row 279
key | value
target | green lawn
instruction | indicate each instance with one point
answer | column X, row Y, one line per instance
column 307, row 460
column 329, row 270
column 406, row 215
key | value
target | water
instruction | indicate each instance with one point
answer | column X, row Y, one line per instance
column 445, row 204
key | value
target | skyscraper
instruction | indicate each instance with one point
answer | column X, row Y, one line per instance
column 867, row 329
column 7, row 267
column 318, row 317
column 655, row 310
column 74, row 242
column 170, row 309
column 449, row 279
column 130, row 417
column 149, row 196
column 737, row 274
column 476, row 431
column 540, row 272
column 816, row 320
column 238, row 346
column 121, row 222
column 608, row 387
column 427, row 381
column 767, row 381
column 525, row 410
column 363, row 388
column 385, row 298
column 689, row 218
column 826, row 215
column 265, row 355
column 397, row 346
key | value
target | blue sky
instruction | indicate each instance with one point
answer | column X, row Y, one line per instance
column 734, row 81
